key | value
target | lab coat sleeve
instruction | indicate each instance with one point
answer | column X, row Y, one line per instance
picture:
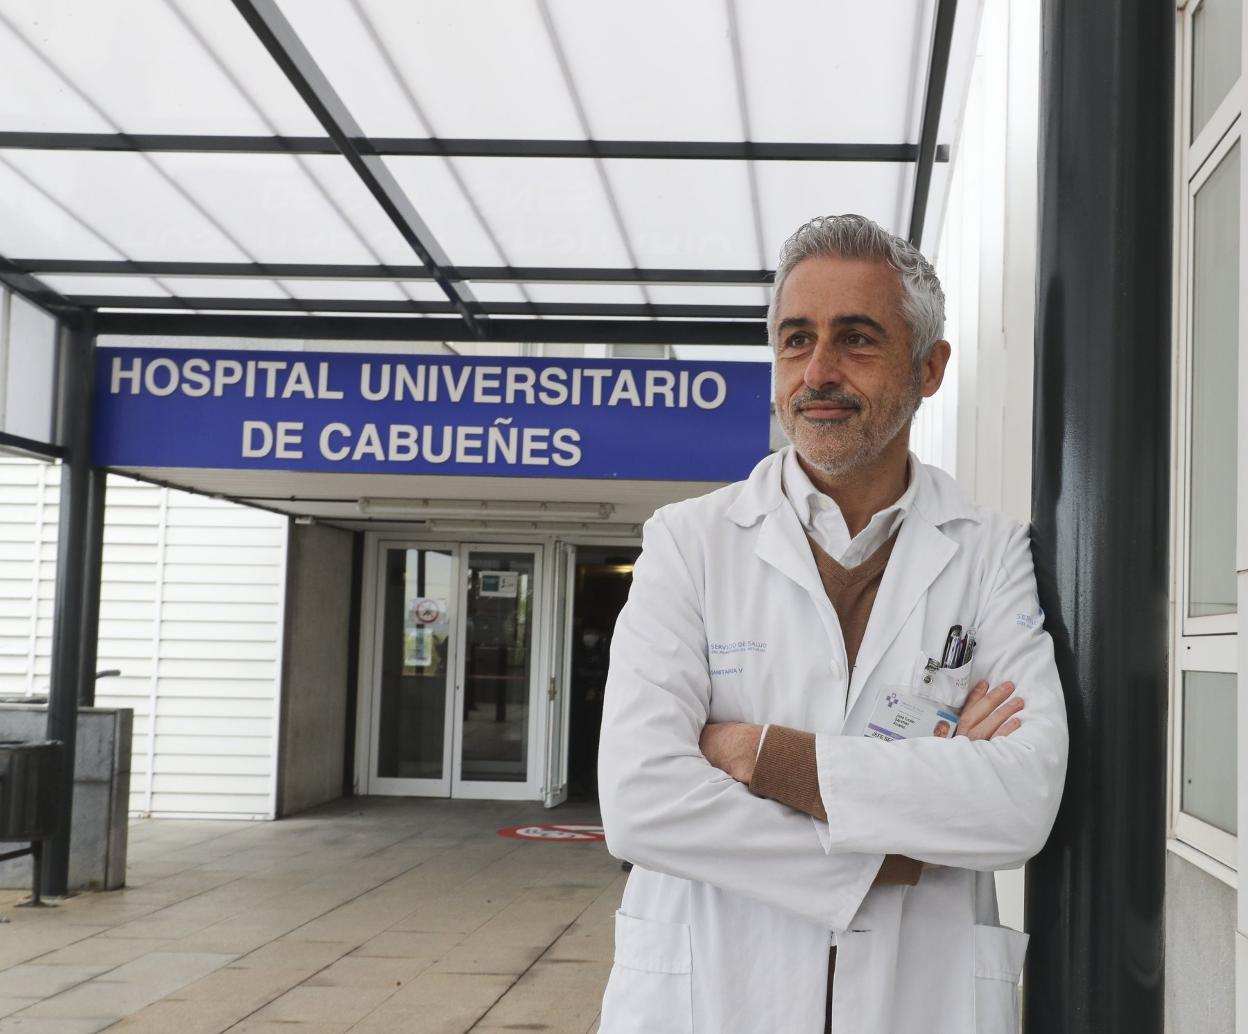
column 664, row 806
column 986, row 804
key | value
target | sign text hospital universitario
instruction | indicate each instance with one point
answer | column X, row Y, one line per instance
column 423, row 414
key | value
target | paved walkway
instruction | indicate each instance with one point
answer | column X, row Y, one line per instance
column 372, row 915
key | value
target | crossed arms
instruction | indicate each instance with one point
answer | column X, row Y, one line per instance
column 973, row 803
column 785, row 769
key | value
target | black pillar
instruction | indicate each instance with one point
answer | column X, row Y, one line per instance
column 93, row 557
column 73, row 536
column 1100, row 504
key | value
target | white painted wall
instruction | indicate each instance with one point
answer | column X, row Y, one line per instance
column 28, row 355
column 190, row 611
column 987, row 262
column 28, row 508
column 979, row 426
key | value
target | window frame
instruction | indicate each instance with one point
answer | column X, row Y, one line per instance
column 1199, row 654
column 1212, row 642
column 1213, row 624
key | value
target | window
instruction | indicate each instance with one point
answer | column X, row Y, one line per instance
column 1210, row 284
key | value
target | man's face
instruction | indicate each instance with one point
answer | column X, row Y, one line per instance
column 846, row 385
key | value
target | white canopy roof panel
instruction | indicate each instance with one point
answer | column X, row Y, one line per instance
column 530, row 159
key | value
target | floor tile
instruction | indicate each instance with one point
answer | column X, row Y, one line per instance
column 9, row 1005
column 379, row 915
column 34, row 980
column 305, row 1004
column 365, row 971
column 102, row 951
column 22, row 1024
column 436, row 1004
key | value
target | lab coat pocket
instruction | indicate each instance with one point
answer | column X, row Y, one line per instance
column 862, row 995
column 650, row 990
column 999, row 953
column 947, row 686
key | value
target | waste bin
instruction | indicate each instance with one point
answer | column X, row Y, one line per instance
column 30, row 782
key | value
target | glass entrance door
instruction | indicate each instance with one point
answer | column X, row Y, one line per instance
column 414, row 666
column 454, row 673
column 495, row 718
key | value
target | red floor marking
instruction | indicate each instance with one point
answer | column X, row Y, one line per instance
column 556, row 832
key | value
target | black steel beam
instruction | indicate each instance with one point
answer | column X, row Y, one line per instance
column 73, row 533
column 398, row 328
column 92, row 561
column 588, row 309
column 743, row 113
column 34, row 290
column 92, row 565
column 471, row 147
column 354, row 621
column 323, row 271
column 1100, row 508
column 147, row 479
column 933, row 103
column 582, row 117
column 31, row 447
column 287, row 49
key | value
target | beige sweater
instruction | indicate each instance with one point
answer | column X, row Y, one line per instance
column 785, row 770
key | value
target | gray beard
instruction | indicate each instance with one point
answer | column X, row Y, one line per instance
column 871, row 444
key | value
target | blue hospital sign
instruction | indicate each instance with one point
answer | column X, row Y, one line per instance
column 407, row 414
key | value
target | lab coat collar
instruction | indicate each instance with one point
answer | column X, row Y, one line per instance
column 921, row 553
column 938, row 498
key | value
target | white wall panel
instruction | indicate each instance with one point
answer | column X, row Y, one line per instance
column 979, row 427
column 27, row 370
column 190, row 612
column 28, row 492
column 987, row 262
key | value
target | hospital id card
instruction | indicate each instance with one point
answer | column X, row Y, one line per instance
column 901, row 716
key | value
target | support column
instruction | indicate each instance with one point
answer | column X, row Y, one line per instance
column 93, row 557
column 73, row 535
column 1100, row 504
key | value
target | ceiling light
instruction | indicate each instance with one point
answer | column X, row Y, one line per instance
column 486, row 508
column 523, row 527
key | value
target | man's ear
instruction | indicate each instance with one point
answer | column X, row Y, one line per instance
column 932, row 369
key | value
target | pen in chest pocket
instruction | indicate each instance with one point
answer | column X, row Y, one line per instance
column 959, row 647
column 950, row 652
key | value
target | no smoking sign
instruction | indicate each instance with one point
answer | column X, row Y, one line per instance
column 427, row 611
column 558, row 832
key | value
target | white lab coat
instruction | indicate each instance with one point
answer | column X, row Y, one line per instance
column 726, row 920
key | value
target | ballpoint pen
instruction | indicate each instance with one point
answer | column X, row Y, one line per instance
column 951, row 645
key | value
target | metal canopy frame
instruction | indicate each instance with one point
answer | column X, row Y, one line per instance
column 305, row 75
column 469, row 147
column 459, row 317
column 398, row 328
column 469, row 318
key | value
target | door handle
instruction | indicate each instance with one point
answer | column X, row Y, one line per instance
column 551, row 690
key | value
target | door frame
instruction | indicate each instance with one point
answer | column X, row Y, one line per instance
column 369, row 709
column 364, row 783
column 558, row 699
column 482, row 789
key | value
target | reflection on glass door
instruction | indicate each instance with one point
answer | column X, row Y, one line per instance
column 416, row 664
column 499, row 614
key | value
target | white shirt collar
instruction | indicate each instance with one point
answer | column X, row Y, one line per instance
column 805, row 497
column 823, row 520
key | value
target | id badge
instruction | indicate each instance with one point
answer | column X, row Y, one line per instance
column 903, row 716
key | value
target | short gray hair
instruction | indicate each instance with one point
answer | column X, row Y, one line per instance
column 857, row 237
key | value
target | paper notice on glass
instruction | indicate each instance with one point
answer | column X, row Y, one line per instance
column 500, row 583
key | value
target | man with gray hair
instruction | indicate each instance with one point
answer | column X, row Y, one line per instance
column 812, row 850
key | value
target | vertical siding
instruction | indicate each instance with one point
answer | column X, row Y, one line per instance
column 190, row 612
column 28, row 509
column 220, row 621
